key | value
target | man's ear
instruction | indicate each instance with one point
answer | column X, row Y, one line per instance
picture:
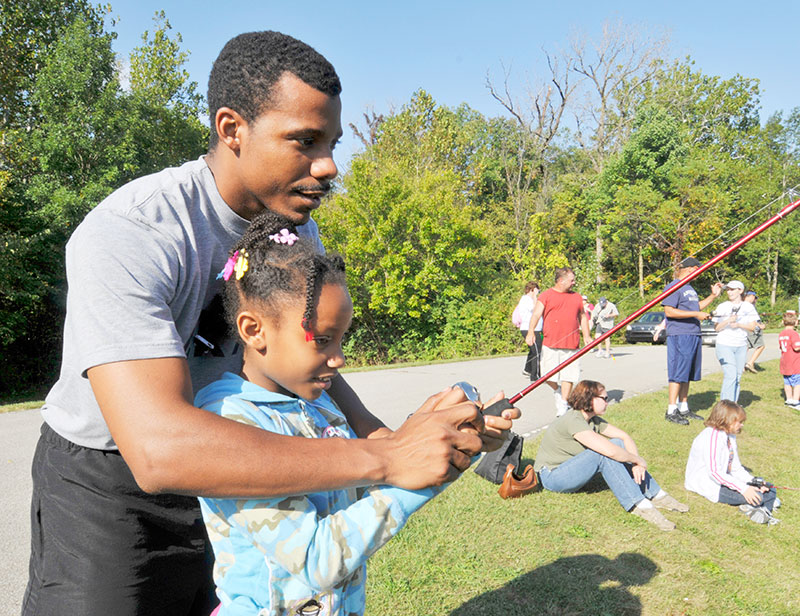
column 229, row 125
column 251, row 328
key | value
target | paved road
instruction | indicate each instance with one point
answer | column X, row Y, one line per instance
column 390, row 394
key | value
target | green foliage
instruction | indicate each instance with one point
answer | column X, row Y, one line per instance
column 76, row 136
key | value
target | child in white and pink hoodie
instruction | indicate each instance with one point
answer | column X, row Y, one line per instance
column 714, row 470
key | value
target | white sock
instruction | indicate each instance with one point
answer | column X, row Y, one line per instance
column 644, row 504
column 661, row 494
column 683, row 407
column 672, row 409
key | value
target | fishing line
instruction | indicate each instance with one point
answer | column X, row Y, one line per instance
column 651, row 279
column 507, row 403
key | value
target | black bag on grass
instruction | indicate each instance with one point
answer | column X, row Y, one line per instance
column 493, row 465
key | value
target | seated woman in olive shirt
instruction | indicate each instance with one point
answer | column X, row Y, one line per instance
column 580, row 444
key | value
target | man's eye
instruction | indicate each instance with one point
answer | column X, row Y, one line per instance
column 322, row 340
column 306, row 142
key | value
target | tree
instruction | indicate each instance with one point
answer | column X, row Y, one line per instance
column 615, row 70
column 405, row 225
column 523, row 149
column 80, row 137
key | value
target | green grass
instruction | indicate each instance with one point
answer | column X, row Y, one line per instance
column 470, row 553
column 21, row 406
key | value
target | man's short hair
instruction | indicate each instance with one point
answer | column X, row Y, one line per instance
column 248, row 67
column 561, row 272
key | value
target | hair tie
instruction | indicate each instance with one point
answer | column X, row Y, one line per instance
column 284, row 237
column 242, row 264
column 238, row 263
column 230, row 264
column 304, row 324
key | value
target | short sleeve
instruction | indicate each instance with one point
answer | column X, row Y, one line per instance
column 673, row 299
column 120, row 286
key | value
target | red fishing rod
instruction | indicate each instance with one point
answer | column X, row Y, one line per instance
column 498, row 407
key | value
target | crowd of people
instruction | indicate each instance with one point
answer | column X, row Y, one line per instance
column 579, row 444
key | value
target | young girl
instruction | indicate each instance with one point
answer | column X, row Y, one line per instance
column 714, row 470
column 789, row 343
column 302, row 554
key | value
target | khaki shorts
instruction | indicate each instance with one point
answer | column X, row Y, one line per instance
column 553, row 357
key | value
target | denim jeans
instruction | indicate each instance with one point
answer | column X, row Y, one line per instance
column 732, row 497
column 732, row 361
column 572, row 475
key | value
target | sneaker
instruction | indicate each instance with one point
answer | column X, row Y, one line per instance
column 759, row 515
column 746, row 509
column 654, row 516
column 691, row 415
column 670, row 504
column 751, row 368
column 792, row 403
column 526, row 373
column 561, row 406
column 677, row 418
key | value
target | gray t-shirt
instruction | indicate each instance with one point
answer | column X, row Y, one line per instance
column 141, row 268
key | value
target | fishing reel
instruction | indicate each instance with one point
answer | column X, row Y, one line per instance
column 759, row 482
column 471, row 392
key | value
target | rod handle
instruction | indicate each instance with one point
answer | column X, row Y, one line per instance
column 498, row 407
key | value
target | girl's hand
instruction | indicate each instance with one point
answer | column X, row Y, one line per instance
column 752, row 495
column 638, row 473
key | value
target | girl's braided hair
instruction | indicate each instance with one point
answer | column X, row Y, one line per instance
column 277, row 273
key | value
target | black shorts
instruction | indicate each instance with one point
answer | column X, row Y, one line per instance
column 100, row 546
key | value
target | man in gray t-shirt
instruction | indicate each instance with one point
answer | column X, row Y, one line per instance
column 111, row 533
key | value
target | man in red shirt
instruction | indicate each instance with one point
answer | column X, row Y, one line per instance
column 563, row 318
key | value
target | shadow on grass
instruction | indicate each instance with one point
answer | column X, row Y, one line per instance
column 706, row 400
column 585, row 584
column 615, row 395
column 703, row 401
column 747, row 397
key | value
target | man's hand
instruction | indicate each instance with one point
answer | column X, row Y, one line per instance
column 530, row 337
column 429, row 449
column 702, row 315
column 496, row 429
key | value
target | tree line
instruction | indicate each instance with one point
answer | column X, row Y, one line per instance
column 619, row 163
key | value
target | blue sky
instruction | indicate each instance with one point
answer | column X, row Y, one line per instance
column 383, row 52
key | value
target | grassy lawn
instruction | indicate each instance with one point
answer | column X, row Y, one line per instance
column 470, row 553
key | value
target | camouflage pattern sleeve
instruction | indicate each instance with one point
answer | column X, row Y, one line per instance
column 310, row 541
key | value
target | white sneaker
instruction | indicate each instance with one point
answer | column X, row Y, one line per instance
column 561, row 406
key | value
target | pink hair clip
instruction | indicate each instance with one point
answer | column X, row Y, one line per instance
column 230, row 264
column 284, row 237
